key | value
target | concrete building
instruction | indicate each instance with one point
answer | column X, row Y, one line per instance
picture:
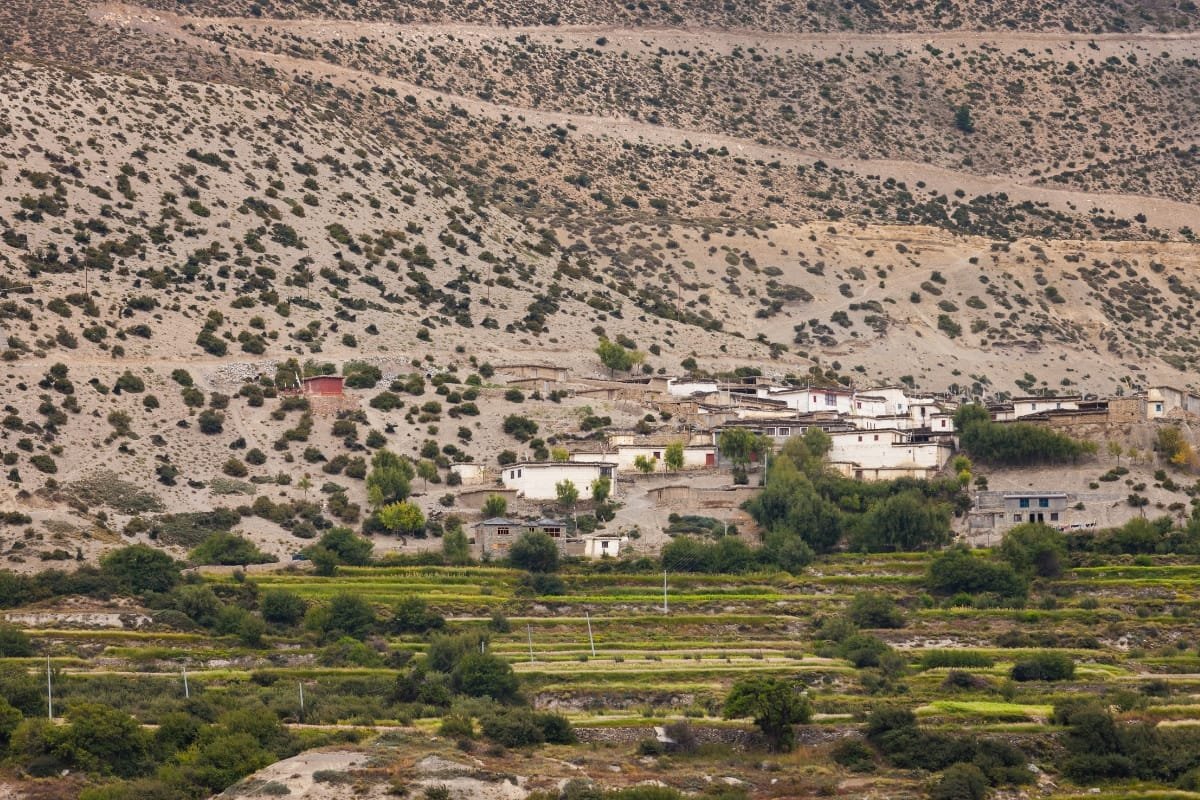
column 604, row 546
column 626, row 455
column 536, row 480
column 884, row 454
column 997, row 511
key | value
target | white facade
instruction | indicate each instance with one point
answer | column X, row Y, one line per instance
column 625, row 456
column 678, row 388
column 1026, row 406
column 537, row 480
column 471, row 474
column 880, row 453
column 603, row 546
column 1161, row 400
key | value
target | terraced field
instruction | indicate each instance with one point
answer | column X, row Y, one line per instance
column 1126, row 626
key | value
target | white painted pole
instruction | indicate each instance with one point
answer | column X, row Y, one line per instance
column 49, row 692
column 591, row 641
column 301, row 685
column 666, row 607
column 187, row 693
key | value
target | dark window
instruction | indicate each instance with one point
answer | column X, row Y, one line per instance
column 1043, row 502
column 1024, row 502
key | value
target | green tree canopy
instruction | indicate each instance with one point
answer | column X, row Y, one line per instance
column 495, row 506
column 616, row 357
column 1035, row 549
column 534, row 551
column 485, row 675
column 773, row 704
column 902, row 522
column 228, row 549
column 139, row 568
column 790, row 504
column 390, row 478
column 403, row 518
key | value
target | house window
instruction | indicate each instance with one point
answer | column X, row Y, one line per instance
column 1033, row 406
column 603, row 545
column 512, row 474
column 830, row 400
column 785, row 431
column 858, row 406
column 860, row 438
column 1158, row 406
column 657, row 454
column 1054, row 516
column 502, row 531
column 943, row 423
column 1024, row 502
column 553, row 532
column 769, row 431
column 1043, row 502
column 877, row 437
column 520, row 472
column 1016, row 517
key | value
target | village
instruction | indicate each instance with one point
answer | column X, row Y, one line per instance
column 875, row 434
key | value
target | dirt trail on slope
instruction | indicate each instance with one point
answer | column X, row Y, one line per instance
column 1159, row 212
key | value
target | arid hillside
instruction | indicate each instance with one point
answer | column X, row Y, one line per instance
column 198, row 202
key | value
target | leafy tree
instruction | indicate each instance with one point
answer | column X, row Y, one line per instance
column 102, row 739
column 346, row 546
column 617, row 357
column 403, row 519
column 902, row 522
column 139, row 568
column 963, row 119
column 958, row 570
column 282, row 607
column 1035, row 549
column 349, row 615
column 874, row 610
column 791, row 505
column 427, row 471
column 1115, row 450
column 485, row 675
column 644, row 465
column 773, row 704
column 228, row 549
column 1044, row 666
column 412, row 614
column 673, row 456
column 960, row 782
column 601, row 489
column 390, row 478
column 495, row 506
column 455, row 546
column 740, row 445
column 10, row 718
column 14, row 643
column 560, row 455
column 567, row 493
column 1014, row 443
column 534, row 551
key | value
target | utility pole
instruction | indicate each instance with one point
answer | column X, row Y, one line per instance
column 49, row 693
column 666, row 607
column 301, row 685
column 529, row 635
column 187, row 694
column 591, row 641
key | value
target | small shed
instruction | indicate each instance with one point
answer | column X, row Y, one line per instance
column 324, row 385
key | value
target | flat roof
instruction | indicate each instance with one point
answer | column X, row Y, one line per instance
column 1034, row 494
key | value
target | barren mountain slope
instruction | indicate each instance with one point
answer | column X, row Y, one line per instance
column 708, row 181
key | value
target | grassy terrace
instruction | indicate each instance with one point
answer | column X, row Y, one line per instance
column 1109, row 618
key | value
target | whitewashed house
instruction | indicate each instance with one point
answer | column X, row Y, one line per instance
column 536, row 480
column 884, row 454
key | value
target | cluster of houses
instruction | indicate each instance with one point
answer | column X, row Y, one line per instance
column 875, row 434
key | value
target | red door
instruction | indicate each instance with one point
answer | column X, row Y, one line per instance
column 710, row 459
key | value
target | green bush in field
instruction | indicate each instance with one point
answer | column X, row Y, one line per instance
column 1044, row 666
